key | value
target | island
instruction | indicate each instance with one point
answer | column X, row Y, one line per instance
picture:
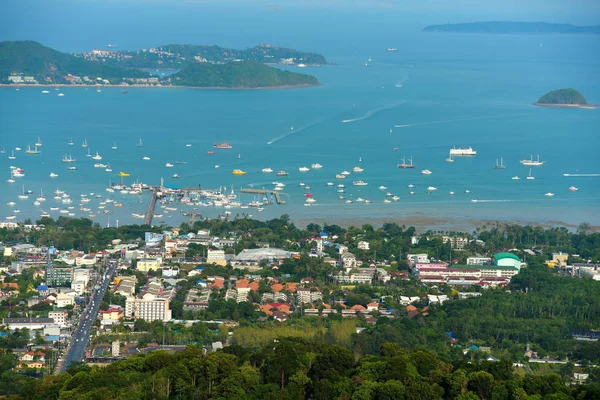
column 564, row 98
column 29, row 63
column 513, row 27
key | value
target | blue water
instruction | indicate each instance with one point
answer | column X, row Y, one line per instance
column 444, row 90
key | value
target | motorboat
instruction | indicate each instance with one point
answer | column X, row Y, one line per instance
column 145, row 158
column 169, row 165
column 573, row 188
column 431, row 188
column 360, row 183
column 267, row 170
column 382, row 187
column 549, row 194
column 97, row 157
column 53, row 175
column 357, row 169
column 426, row 172
column 238, row 172
column 303, row 169
column 316, row 166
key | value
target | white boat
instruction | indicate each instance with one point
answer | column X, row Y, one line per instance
column 108, row 168
column 411, row 192
column 387, row 201
column 11, row 217
column 188, row 145
column 11, row 204
column 267, row 170
column 17, row 149
column 515, row 178
column 348, row 201
column 145, row 158
column 61, row 95
column 340, row 176
column 357, row 169
column 395, row 198
column 140, row 144
column 217, row 166
column 97, row 157
column 12, row 155
column 573, row 188
column 533, row 163
column 84, row 144
column 303, row 169
column 360, row 183
column 41, row 197
column 100, row 165
column 450, row 159
column 176, row 176
column 467, row 191
column 89, row 154
column 410, row 185
column 23, row 196
column 310, row 200
column 45, row 91
column 169, row 165
column 345, row 173
column 302, row 184
column 360, row 200
column 451, row 193
column 329, row 183
column 71, row 142
column 72, row 168
column 549, row 194
column 426, row 172
column 530, row 177
column 499, row 165
column 53, row 175
column 382, row 187
column 341, row 185
column 316, row 166
column 38, row 143
column 32, row 151
column 466, row 151
column 431, row 188
column 114, row 146
column 340, row 190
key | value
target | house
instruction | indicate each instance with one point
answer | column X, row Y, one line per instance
column 63, row 300
column 111, row 316
column 170, row 272
column 362, row 245
column 372, row 307
column 348, row 260
column 280, row 316
column 417, row 258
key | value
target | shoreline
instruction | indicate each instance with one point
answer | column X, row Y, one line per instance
column 585, row 106
column 126, row 87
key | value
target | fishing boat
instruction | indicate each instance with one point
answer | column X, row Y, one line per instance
column 140, row 144
column 501, row 165
column 238, row 172
column 533, row 163
column 404, row 165
column 223, row 145
column 84, row 144
column 530, row 177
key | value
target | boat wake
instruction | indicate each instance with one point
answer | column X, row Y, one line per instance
column 582, row 175
column 291, row 132
column 491, row 201
column 453, row 120
column 401, row 82
column 369, row 114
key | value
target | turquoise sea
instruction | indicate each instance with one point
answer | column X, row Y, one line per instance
column 437, row 91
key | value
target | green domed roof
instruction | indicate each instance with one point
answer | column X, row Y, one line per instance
column 499, row 256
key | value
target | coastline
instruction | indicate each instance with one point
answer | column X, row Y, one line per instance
column 585, row 106
column 125, row 87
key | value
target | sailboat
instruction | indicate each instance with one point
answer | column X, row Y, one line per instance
column 38, row 143
column 84, row 144
column 499, row 166
column 405, row 165
column 530, row 177
column 450, row 159
column 23, row 196
column 2, row 151
column 71, row 142
column 88, row 153
column 140, row 144
column 114, row 146
column 108, row 168
column 41, row 198
column 12, row 155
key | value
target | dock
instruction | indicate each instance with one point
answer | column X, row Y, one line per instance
column 264, row 191
column 150, row 212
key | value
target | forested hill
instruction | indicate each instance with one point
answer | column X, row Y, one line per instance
column 513, row 27
column 51, row 66
column 562, row 96
column 243, row 74
column 177, row 56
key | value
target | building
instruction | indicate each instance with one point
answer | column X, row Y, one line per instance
column 363, row 276
column 126, row 286
column 507, row 260
column 196, row 300
column 305, row 295
column 417, row 258
column 111, row 316
column 59, row 317
column 560, row 259
column 78, row 286
column 216, row 257
column 269, row 255
column 29, row 323
column 170, row 272
column 348, row 260
column 479, row 260
column 362, row 245
column 145, row 265
column 148, row 310
column 59, row 275
column 456, row 243
column 63, row 300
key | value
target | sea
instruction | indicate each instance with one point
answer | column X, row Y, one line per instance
column 373, row 109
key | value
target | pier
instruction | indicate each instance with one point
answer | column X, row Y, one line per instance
column 150, row 212
column 264, row 191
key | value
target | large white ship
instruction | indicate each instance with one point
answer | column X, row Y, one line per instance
column 533, row 163
column 467, row 151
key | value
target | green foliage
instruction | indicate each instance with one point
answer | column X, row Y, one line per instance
column 243, row 74
column 32, row 58
column 562, row 96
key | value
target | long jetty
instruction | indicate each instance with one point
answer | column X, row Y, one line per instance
column 264, row 191
column 150, row 212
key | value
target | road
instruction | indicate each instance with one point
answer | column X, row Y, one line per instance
column 81, row 334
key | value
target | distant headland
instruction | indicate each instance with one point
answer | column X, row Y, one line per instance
column 564, row 98
column 28, row 63
column 514, row 27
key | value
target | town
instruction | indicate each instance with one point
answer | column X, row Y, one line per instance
column 204, row 285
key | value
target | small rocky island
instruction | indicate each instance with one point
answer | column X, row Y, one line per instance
column 564, row 98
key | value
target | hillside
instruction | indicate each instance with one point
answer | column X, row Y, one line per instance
column 244, row 74
column 513, row 27
column 177, row 56
column 567, row 97
column 51, row 66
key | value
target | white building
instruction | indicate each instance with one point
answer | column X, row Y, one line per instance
column 479, row 260
column 78, row 286
column 362, row 245
column 216, row 257
column 148, row 310
column 63, row 300
column 59, row 317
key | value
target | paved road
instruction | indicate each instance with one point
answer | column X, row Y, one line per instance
column 81, row 335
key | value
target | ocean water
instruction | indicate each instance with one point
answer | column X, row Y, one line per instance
column 442, row 90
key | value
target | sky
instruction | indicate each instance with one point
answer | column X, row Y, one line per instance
column 79, row 25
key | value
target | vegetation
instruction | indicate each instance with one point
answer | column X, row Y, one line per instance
column 512, row 27
column 562, row 96
column 298, row 369
column 243, row 74
column 177, row 56
column 50, row 66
